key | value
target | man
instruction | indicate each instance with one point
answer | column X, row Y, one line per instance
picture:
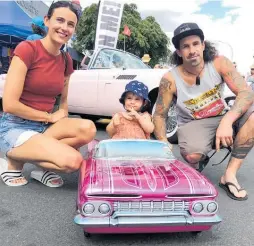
column 202, row 114
column 251, row 76
column 117, row 61
column 146, row 59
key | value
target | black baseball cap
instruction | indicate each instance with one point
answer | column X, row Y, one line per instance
column 185, row 30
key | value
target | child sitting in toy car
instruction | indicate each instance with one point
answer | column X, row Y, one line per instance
column 135, row 122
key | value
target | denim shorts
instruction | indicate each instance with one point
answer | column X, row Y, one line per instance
column 14, row 131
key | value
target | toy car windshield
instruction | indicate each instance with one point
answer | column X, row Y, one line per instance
column 133, row 149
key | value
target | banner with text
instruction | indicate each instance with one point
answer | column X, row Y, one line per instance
column 33, row 8
column 108, row 24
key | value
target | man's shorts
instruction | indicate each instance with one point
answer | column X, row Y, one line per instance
column 198, row 136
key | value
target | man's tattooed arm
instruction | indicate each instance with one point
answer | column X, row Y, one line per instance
column 244, row 95
column 165, row 96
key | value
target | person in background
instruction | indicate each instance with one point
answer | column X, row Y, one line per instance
column 39, row 29
column 117, row 62
column 146, row 58
column 157, row 66
column 77, row 5
column 250, row 78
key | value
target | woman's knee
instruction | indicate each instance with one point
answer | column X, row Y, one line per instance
column 72, row 162
column 87, row 129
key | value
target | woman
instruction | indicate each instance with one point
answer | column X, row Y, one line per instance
column 29, row 130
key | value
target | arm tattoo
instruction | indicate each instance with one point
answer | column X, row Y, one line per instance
column 161, row 110
column 240, row 151
column 243, row 101
column 236, row 83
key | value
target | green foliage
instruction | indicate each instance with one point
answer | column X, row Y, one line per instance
column 146, row 35
column 86, row 29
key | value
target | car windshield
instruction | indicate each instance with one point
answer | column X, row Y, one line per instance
column 133, row 149
column 108, row 58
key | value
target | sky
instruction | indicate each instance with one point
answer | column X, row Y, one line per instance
column 226, row 22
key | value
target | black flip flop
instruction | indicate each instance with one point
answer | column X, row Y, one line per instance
column 230, row 194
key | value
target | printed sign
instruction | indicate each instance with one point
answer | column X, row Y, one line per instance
column 108, row 24
column 33, row 8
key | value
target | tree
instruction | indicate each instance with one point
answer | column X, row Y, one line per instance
column 86, row 29
column 146, row 34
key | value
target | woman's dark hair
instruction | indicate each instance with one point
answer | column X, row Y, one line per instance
column 210, row 53
column 64, row 4
column 38, row 30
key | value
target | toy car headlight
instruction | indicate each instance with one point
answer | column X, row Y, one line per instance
column 104, row 208
column 88, row 208
column 212, row 207
column 198, row 207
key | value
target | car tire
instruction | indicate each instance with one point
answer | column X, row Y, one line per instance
column 87, row 235
column 195, row 233
column 171, row 122
column 230, row 100
column 90, row 117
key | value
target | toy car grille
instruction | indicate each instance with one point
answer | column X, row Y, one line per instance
column 151, row 206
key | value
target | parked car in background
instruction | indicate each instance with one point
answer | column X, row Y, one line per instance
column 103, row 79
column 138, row 186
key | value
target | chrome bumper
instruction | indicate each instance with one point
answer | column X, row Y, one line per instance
column 146, row 220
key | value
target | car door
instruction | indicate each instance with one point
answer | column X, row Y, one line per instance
column 122, row 68
column 111, row 85
column 83, row 92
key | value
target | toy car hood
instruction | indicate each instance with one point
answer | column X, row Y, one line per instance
column 141, row 178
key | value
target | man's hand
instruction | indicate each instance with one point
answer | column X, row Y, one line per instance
column 224, row 135
column 58, row 115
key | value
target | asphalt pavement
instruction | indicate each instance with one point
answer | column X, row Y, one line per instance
column 35, row 215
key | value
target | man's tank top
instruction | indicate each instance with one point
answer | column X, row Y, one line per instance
column 196, row 102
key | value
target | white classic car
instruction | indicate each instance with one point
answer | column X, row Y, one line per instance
column 95, row 90
column 102, row 82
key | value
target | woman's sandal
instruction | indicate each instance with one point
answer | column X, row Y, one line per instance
column 12, row 177
column 47, row 178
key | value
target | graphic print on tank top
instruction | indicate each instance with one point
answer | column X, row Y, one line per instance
column 208, row 104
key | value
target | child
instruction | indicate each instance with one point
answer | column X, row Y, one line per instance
column 135, row 122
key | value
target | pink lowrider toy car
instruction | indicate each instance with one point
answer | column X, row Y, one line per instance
column 137, row 186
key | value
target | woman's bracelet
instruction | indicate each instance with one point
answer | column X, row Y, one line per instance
column 48, row 117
